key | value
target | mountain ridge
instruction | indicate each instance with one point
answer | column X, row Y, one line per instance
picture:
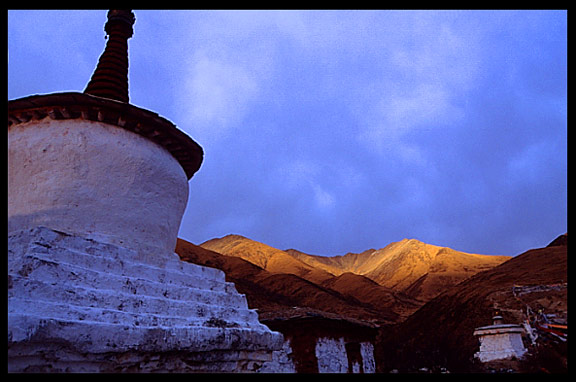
column 278, row 294
column 269, row 258
column 419, row 270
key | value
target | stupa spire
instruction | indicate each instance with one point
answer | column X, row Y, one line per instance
column 110, row 79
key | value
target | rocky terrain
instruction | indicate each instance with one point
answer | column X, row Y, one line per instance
column 418, row 270
column 425, row 299
column 271, row 259
column 277, row 294
column 379, row 286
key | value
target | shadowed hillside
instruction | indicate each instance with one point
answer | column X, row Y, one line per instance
column 273, row 293
column 440, row 333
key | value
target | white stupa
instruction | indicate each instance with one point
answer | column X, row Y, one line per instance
column 96, row 192
column 499, row 341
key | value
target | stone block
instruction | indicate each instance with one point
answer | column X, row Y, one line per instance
column 75, row 304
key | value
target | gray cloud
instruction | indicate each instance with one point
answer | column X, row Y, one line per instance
column 339, row 131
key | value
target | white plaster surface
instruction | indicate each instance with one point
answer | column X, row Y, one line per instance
column 500, row 343
column 368, row 361
column 333, row 358
column 331, row 355
column 76, row 304
column 282, row 361
column 96, row 180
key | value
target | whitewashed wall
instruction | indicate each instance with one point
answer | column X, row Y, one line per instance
column 96, row 180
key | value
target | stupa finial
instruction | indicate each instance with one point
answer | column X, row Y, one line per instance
column 110, row 79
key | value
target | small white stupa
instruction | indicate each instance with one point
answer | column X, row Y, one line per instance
column 499, row 341
column 96, row 192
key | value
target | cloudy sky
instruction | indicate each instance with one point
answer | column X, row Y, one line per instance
column 338, row 131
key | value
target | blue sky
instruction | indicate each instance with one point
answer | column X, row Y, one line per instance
column 338, row 131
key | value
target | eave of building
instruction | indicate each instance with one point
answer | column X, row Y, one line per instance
column 498, row 329
column 73, row 105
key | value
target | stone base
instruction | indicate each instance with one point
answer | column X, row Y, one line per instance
column 78, row 305
column 488, row 356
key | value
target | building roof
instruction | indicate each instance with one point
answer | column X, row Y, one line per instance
column 300, row 314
